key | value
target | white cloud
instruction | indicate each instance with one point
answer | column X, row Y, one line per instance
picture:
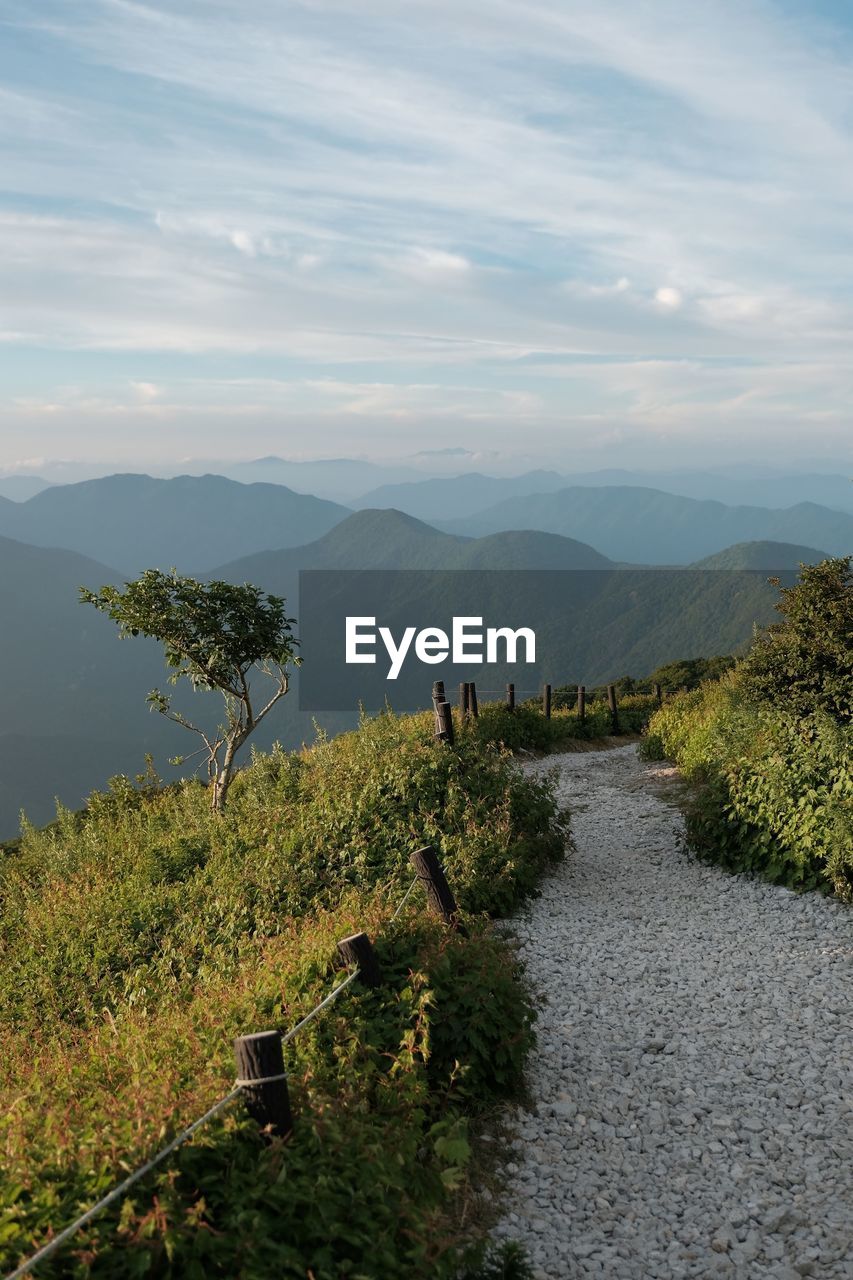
column 585, row 289
column 243, row 241
column 437, row 265
column 669, row 298
column 146, row 391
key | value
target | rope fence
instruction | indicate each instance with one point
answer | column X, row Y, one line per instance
column 261, row 1077
column 117, row 1192
column 405, row 897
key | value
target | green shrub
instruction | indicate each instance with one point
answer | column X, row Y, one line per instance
column 134, row 899
column 687, row 672
column 377, row 1084
column 768, row 746
column 140, row 936
column 525, row 727
column 773, row 790
column 805, row 662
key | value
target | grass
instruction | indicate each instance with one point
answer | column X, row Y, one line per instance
column 139, row 937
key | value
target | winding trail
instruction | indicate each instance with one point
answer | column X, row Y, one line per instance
column 691, row 1088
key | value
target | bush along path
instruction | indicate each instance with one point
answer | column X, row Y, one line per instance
column 140, row 937
column 690, row 1110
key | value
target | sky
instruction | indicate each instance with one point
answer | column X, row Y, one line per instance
column 609, row 234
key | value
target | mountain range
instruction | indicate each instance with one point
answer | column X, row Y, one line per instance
column 591, row 625
column 455, row 497
column 648, row 526
column 135, row 522
column 74, row 708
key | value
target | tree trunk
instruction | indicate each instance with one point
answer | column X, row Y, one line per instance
column 224, row 776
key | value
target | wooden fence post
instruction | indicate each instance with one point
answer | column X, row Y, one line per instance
column 260, row 1057
column 510, row 697
column 444, row 722
column 438, row 696
column 464, row 710
column 656, row 690
column 472, row 699
column 614, row 713
column 546, row 701
column 431, row 873
column 357, row 950
column 581, row 702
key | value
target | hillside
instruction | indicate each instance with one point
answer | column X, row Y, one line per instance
column 135, row 522
column 601, row 622
column 141, row 939
column 652, row 527
column 75, row 712
column 77, row 684
column 761, row 555
column 35, row 771
column 392, row 540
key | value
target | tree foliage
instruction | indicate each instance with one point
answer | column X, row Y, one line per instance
column 214, row 634
column 805, row 662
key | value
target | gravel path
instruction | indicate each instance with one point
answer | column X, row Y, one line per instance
column 692, row 1082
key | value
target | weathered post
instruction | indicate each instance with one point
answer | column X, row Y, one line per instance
column 431, row 873
column 685, row 688
column 581, row 702
column 656, row 690
column 444, row 722
column 614, row 712
column 438, row 696
column 260, row 1073
column 510, row 697
column 357, row 950
column 464, row 710
column 546, row 701
column 472, row 699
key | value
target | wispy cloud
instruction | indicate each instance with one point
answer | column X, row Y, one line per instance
column 452, row 198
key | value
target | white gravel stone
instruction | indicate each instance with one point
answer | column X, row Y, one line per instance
column 692, row 1081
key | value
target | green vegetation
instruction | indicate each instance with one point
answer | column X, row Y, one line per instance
column 769, row 747
column 526, row 728
column 807, row 659
column 676, row 676
column 140, row 936
column 217, row 635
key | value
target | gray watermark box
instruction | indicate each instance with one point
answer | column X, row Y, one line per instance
column 588, row 626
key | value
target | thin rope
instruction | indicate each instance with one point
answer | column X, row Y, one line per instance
column 333, row 995
column 46, row 1250
column 405, row 898
column 239, row 1085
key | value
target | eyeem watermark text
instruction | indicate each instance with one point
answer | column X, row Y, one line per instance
column 467, row 642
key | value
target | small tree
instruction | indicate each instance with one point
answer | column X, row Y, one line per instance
column 213, row 633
